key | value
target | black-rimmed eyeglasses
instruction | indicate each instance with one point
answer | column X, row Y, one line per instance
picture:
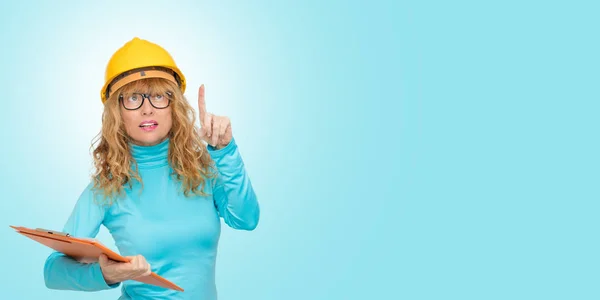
column 136, row 100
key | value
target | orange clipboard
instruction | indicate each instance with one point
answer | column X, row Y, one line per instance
column 85, row 249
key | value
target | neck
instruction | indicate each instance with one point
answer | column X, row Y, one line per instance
column 150, row 156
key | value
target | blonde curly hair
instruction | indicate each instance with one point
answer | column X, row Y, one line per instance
column 187, row 156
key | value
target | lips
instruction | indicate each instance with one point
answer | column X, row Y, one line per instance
column 148, row 123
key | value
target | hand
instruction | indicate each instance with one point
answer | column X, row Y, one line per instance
column 216, row 130
column 114, row 272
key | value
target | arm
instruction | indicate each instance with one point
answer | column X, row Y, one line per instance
column 65, row 273
column 233, row 193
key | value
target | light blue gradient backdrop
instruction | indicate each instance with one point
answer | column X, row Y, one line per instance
column 400, row 150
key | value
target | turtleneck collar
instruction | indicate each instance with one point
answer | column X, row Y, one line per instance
column 150, row 156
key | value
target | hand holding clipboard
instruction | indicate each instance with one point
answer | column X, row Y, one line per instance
column 86, row 250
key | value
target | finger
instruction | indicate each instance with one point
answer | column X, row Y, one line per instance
column 216, row 131
column 208, row 125
column 148, row 270
column 229, row 132
column 225, row 127
column 141, row 263
column 201, row 104
column 133, row 264
column 223, row 130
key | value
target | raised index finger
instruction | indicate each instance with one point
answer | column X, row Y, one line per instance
column 201, row 104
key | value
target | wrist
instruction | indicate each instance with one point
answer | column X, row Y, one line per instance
column 109, row 280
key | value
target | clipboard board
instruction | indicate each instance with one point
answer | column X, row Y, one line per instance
column 86, row 249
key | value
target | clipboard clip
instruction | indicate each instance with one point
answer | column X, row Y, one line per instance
column 52, row 232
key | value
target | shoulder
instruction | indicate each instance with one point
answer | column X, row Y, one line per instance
column 94, row 196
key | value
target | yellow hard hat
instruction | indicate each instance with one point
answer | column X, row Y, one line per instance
column 139, row 59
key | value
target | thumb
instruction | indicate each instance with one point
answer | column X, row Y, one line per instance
column 103, row 260
column 204, row 136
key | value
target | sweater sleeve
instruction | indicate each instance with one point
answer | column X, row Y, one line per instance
column 233, row 193
column 62, row 272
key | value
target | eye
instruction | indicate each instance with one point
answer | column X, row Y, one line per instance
column 133, row 98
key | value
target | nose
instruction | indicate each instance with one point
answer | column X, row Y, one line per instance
column 147, row 108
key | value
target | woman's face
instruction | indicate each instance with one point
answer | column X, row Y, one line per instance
column 146, row 125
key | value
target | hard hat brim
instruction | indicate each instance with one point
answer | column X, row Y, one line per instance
column 168, row 73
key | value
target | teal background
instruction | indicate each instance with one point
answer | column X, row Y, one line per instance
column 399, row 149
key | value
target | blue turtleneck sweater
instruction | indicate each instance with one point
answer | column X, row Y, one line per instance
column 178, row 236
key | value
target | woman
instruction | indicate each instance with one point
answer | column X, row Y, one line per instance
column 158, row 189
